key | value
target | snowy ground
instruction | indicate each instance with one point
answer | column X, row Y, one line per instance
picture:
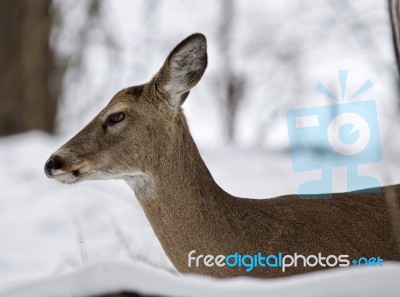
column 103, row 278
column 48, row 229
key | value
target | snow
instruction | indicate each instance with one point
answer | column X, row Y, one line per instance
column 139, row 277
column 95, row 232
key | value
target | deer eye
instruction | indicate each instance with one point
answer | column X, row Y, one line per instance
column 115, row 118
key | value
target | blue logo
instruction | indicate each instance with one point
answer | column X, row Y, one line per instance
column 340, row 134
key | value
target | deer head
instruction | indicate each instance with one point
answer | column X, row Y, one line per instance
column 132, row 135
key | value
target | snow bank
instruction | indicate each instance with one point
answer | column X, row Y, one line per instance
column 114, row 277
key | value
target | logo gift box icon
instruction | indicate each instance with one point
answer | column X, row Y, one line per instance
column 342, row 134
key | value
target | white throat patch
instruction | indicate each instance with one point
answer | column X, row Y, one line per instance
column 142, row 184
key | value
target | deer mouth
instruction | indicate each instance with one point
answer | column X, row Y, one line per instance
column 67, row 177
column 55, row 168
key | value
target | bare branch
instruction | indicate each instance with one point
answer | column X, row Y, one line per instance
column 394, row 11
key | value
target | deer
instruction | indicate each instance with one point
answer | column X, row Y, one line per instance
column 142, row 137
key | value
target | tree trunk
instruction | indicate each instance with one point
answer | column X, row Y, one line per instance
column 28, row 89
column 232, row 85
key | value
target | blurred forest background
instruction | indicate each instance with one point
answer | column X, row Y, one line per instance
column 61, row 61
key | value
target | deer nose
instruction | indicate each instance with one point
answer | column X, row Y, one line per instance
column 54, row 162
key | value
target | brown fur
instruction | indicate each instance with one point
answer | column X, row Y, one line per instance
column 189, row 211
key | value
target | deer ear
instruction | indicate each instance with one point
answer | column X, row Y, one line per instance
column 183, row 69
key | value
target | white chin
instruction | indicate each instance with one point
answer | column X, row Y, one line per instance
column 66, row 178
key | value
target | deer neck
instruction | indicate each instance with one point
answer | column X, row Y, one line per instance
column 179, row 175
column 186, row 201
